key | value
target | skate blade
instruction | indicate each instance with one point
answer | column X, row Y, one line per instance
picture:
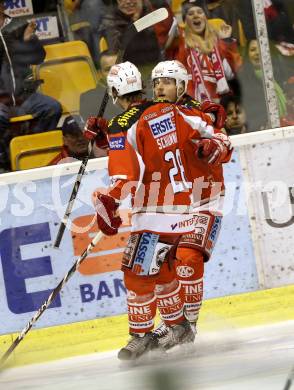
column 148, row 358
column 182, row 351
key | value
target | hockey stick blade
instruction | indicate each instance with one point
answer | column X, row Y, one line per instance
column 149, row 20
column 288, row 384
column 51, row 298
column 290, row 380
column 146, row 21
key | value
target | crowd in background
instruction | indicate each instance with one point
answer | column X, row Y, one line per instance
column 215, row 40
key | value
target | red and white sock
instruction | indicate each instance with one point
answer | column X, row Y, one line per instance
column 193, row 295
column 141, row 312
column 170, row 303
column 190, row 270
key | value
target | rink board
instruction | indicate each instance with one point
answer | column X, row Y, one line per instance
column 254, row 250
column 33, row 204
column 221, row 314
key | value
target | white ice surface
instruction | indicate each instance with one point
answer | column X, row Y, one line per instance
column 249, row 359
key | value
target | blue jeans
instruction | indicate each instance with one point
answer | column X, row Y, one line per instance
column 46, row 109
column 47, row 112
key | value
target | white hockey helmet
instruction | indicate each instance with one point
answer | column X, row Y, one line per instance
column 172, row 69
column 125, row 78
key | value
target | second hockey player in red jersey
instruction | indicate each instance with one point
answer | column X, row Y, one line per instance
column 206, row 173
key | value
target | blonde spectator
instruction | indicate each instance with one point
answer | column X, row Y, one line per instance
column 211, row 58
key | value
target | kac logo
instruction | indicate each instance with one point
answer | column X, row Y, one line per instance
column 185, row 271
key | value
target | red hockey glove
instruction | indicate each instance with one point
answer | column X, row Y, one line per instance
column 96, row 128
column 218, row 112
column 214, row 150
column 107, row 220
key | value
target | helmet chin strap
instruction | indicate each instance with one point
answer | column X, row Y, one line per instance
column 181, row 95
column 114, row 95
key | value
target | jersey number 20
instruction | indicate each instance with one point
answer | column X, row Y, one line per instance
column 175, row 158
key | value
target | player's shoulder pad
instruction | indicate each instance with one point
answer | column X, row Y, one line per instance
column 122, row 122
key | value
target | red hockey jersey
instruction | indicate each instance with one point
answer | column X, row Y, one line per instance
column 149, row 148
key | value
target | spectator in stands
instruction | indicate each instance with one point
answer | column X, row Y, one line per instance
column 236, row 115
column 146, row 47
column 281, row 34
column 107, row 60
column 239, row 15
column 90, row 100
column 279, row 26
column 84, row 17
column 252, row 91
column 20, row 48
column 75, row 145
column 236, row 13
column 212, row 59
column 288, row 119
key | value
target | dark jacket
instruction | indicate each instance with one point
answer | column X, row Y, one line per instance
column 16, row 56
column 233, row 12
column 279, row 26
column 145, row 47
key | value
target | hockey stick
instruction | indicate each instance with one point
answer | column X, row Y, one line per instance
column 51, row 297
column 290, row 380
column 141, row 24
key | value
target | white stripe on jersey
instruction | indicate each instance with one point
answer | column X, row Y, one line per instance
column 132, row 140
column 214, row 205
column 170, row 209
column 197, row 123
column 163, row 223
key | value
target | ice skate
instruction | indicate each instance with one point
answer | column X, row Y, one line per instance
column 160, row 331
column 177, row 335
column 137, row 346
column 194, row 327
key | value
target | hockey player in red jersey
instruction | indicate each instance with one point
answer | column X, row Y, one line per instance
column 148, row 158
column 206, row 173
